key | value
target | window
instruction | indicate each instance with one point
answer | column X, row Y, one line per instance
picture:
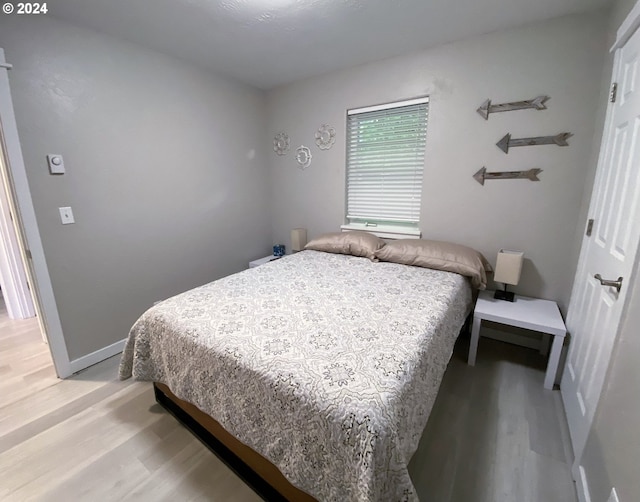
column 385, row 164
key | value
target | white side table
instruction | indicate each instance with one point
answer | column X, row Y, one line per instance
column 529, row 313
column 262, row 261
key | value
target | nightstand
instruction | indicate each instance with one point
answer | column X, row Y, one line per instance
column 529, row 313
column 262, row 261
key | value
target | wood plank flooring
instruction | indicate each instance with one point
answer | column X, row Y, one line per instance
column 494, row 434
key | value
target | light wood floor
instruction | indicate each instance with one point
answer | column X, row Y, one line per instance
column 494, row 435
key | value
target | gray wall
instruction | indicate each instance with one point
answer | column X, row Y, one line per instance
column 166, row 172
column 612, row 453
column 562, row 58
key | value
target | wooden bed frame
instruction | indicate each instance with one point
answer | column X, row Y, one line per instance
column 255, row 470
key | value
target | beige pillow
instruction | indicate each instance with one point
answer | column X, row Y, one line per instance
column 438, row 255
column 354, row 243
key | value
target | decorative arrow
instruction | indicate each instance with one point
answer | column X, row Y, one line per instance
column 482, row 174
column 560, row 139
column 536, row 103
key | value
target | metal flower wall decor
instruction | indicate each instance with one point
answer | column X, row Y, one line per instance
column 325, row 137
column 303, row 157
column 281, row 143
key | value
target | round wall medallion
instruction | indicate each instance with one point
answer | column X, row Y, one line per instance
column 281, row 143
column 325, row 137
column 303, row 157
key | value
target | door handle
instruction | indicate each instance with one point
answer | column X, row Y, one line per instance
column 614, row 284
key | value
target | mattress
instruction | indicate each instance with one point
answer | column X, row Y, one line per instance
column 327, row 365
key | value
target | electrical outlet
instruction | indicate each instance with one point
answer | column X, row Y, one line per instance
column 66, row 215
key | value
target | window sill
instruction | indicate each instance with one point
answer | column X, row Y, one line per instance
column 385, row 231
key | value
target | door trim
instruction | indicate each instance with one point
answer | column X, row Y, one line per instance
column 18, row 186
column 627, row 28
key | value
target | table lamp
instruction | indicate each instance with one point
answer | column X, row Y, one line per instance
column 508, row 268
column 298, row 239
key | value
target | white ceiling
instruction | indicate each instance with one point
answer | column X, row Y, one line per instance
column 270, row 42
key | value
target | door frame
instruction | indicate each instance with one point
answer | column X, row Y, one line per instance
column 628, row 27
column 21, row 204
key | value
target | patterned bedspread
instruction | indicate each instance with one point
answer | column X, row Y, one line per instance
column 327, row 365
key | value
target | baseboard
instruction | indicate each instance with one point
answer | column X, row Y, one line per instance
column 97, row 356
column 582, row 487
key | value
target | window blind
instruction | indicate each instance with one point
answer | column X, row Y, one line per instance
column 385, row 162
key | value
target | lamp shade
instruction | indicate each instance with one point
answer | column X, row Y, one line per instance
column 508, row 267
column 298, row 239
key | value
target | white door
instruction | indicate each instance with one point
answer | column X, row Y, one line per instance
column 595, row 309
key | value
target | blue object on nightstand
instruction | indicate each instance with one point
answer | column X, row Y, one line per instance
column 278, row 250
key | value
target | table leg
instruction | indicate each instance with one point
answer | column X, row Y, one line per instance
column 545, row 343
column 554, row 360
column 473, row 346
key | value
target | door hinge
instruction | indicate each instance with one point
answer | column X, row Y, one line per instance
column 614, row 92
column 28, row 253
column 589, row 227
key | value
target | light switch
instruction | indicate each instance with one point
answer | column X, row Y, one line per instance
column 56, row 163
column 66, row 215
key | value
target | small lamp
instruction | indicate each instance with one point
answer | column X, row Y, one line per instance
column 298, row 239
column 508, row 268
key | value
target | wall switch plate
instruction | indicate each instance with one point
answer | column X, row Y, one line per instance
column 56, row 163
column 66, row 215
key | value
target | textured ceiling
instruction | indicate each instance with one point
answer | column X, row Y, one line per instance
column 269, row 42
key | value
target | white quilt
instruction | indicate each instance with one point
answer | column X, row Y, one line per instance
column 327, row 365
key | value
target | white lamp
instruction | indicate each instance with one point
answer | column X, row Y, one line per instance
column 298, row 239
column 508, row 269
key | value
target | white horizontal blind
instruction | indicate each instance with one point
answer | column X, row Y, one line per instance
column 385, row 162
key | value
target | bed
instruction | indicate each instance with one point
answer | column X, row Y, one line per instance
column 324, row 366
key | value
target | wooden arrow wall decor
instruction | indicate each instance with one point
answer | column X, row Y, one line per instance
column 482, row 174
column 559, row 139
column 536, row 104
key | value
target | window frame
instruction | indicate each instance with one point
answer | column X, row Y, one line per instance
column 381, row 228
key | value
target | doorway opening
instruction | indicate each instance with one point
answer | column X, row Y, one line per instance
column 14, row 282
column 28, row 272
column 26, row 364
